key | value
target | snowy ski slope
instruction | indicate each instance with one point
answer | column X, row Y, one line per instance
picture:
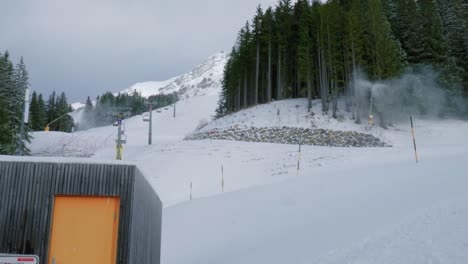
column 344, row 205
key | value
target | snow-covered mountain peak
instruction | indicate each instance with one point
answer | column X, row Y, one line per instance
column 204, row 79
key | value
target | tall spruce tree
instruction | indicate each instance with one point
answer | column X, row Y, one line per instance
column 52, row 111
column 42, row 113
column 405, row 20
column 284, row 20
column 65, row 123
column 455, row 30
column 267, row 40
column 21, row 83
column 34, row 121
column 6, row 135
column 257, row 25
column 433, row 43
column 386, row 57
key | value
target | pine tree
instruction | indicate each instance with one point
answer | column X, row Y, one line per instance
column 65, row 123
column 283, row 28
column 34, row 121
column 37, row 113
column 6, row 137
column 256, row 35
column 245, row 52
column 52, row 111
column 267, row 39
column 8, row 144
column 433, row 44
column 42, row 113
column 455, row 30
column 386, row 55
column 301, row 25
column 21, row 83
column 405, row 21
column 137, row 103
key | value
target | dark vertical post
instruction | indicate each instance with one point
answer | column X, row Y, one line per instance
column 119, row 141
column 190, row 190
column 414, row 139
column 150, row 132
column 298, row 159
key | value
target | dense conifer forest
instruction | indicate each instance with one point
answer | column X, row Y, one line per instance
column 309, row 49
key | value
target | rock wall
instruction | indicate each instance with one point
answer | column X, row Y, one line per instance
column 292, row 135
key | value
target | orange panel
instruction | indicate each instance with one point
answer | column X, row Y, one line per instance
column 84, row 230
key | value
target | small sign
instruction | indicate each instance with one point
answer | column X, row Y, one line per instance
column 18, row 259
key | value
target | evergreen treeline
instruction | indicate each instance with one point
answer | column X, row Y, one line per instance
column 312, row 49
column 109, row 107
column 162, row 100
column 42, row 113
column 13, row 85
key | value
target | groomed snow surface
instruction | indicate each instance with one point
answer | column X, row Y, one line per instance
column 344, row 205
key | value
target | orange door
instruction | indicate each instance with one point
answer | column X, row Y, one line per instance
column 84, row 230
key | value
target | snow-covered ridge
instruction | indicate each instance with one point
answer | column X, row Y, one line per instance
column 204, row 79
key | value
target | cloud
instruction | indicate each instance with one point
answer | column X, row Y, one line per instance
column 86, row 47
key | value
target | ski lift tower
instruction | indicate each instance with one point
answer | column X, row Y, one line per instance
column 149, row 119
column 119, row 113
column 120, row 141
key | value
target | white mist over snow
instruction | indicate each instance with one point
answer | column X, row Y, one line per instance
column 415, row 92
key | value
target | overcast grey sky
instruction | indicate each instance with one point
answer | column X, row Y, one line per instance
column 87, row 47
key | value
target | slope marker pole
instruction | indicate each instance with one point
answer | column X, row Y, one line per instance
column 414, row 139
column 190, row 190
column 222, row 178
column 298, row 159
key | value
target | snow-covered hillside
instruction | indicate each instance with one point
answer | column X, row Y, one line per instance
column 204, row 79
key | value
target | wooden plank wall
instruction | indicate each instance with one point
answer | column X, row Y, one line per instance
column 27, row 192
column 145, row 246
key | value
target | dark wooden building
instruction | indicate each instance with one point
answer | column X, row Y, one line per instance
column 79, row 213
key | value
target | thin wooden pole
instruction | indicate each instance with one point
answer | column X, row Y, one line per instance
column 222, row 178
column 298, row 159
column 190, row 190
column 414, row 139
